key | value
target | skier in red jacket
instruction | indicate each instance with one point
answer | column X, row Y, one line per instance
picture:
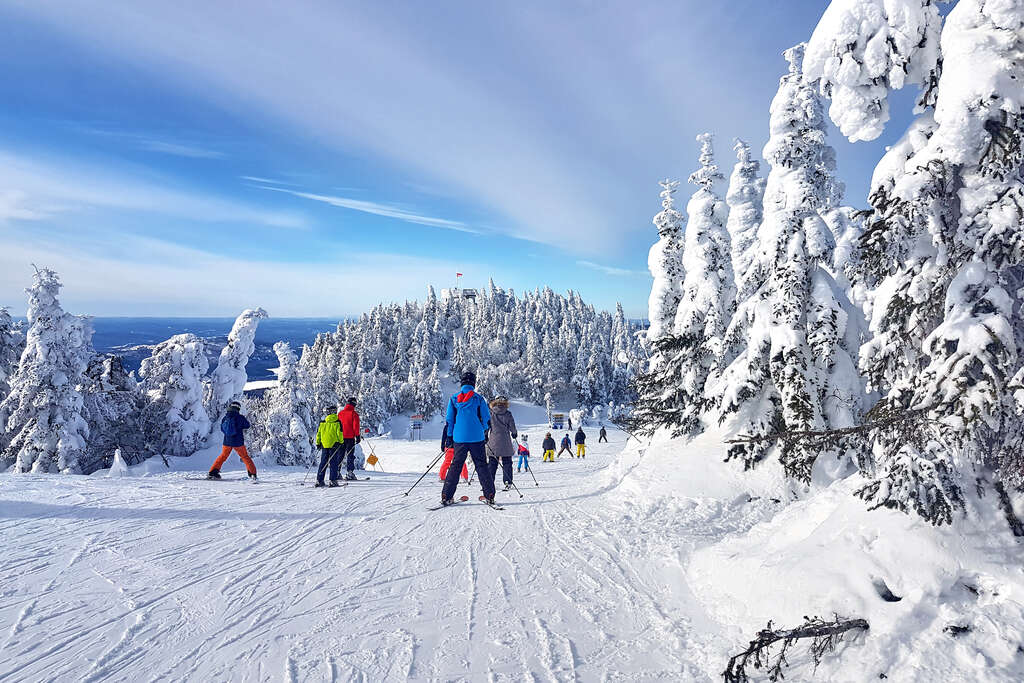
column 349, row 419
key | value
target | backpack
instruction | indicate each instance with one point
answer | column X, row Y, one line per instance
column 228, row 426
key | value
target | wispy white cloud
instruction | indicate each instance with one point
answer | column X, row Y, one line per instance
column 379, row 209
column 560, row 136
column 264, row 181
column 609, row 270
column 179, row 149
column 37, row 187
column 207, row 283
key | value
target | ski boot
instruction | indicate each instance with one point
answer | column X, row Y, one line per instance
column 333, row 484
column 213, row 474
column 350, row 476
column 319, row 485
column 253, row 477
column 447, row 501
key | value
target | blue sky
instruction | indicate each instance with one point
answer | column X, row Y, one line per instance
column 196, row 158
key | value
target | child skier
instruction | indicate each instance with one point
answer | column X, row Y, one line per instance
column 449, row 452
column 331, row 442
column 549, row 448
column 499, row 444
column 566, row 446
column 581, row 443
column 233, row 425
column 468, row 417
column 524, row 455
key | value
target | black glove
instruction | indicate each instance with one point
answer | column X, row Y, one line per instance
column 514, row 436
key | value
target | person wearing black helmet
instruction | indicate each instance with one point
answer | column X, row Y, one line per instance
column 468, row 419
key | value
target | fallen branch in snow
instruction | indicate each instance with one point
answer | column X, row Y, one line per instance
column 824, row 635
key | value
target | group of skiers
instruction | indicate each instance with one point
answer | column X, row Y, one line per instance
column 474, row 429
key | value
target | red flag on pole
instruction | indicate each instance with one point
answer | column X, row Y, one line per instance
column 458, row 274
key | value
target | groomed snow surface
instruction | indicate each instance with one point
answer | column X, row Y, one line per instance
column 640, row 562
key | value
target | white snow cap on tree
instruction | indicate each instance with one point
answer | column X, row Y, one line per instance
column 862, row 49
column 665, row 264
column 45, row 429
column 229, row 377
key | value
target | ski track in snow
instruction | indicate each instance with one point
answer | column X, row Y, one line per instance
column 164, row 579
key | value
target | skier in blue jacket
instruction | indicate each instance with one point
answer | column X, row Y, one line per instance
column 468, row 419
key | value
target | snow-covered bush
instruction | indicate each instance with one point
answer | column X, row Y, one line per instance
column 45, row 428
column 284, row 426
column 113, row 409
column 175, row 420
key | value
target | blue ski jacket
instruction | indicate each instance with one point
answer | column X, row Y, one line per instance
column 468, row 416
column 233, row 426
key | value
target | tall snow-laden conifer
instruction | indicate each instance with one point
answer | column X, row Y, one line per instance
column 745, row 199
column 665, row 264
column 796, row 371
column 673, row 394
column 12, row 344
column 229, row 377
column 45, row 429
column 862, row 49
column 945, row 246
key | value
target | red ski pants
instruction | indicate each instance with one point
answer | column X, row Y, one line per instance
column 250, row 466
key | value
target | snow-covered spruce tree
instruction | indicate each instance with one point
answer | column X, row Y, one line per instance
column 46, row 430
column 229, row 377
column 666, row 265
column 946, row 247
column 863, row 49
column 289, row 425
column 113, row 410
column 745, row 199
column 175, row 421
column 796, row 371
column 673, row 393
column 12, row 344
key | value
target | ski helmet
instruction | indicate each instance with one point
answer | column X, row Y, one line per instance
column 468, row 377
column 234, row 406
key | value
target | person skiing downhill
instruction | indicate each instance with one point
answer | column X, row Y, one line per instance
column 602, row 436
column 233, row 425
column 349, row 419
column 330, row 440
column 524, row 455
column 549, row 448
column 500, row 448
column 566, row 446
column 448, row 448
column 468, row 419
column 581, row 443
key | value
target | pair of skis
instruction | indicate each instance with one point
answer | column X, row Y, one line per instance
column 463, row 499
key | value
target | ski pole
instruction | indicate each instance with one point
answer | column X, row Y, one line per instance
column 439, row 456
column 516, row 488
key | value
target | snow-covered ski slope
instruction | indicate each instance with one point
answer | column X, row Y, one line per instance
column 637, row 563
